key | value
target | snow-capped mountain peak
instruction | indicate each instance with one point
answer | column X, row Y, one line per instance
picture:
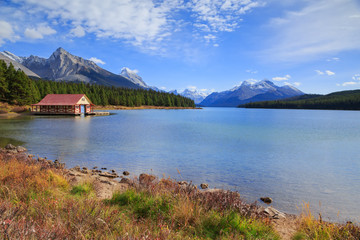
column 133, row 77
column 12, row 56
column 250, row 91
column 197, row 96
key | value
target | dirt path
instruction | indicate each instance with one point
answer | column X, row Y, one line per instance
column 286, row 227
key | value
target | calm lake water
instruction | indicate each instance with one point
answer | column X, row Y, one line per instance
column 293, row 156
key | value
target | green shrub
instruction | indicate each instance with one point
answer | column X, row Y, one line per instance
column 82, row 189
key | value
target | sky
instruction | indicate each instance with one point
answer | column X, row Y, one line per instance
column 208, row 45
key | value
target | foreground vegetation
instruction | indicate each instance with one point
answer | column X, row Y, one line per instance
column 37, row 202
column 17, row 88
column 345, row 100
column 312, row 228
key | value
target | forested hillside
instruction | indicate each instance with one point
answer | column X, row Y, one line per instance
column 345, row 100
column 17, row 88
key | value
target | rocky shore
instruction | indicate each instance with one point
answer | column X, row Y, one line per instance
column 106, row 182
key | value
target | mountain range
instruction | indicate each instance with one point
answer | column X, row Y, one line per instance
column 250, row 91
column 193, row 94
column 63, row 66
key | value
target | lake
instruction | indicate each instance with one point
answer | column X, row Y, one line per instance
column 293, row 156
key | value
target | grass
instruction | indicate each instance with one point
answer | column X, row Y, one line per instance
column 312, row 228
column 37, row 202
column 7, row 108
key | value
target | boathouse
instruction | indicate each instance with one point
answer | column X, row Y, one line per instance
column 69, row 104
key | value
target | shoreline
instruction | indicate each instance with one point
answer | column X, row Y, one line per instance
column 119, row 107
column 107, row 183
column 108, row 107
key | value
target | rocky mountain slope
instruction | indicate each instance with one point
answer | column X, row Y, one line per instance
column 15, row 61
column 133, row 77
column 250, row 92
column 63, row 66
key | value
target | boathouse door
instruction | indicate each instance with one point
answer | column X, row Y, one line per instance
column 82, row 109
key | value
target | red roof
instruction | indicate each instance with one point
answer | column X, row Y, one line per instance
column 61, row 99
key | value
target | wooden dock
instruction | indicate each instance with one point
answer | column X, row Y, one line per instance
column 98, row 113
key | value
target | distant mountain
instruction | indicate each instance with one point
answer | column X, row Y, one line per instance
column 16, row 62
column 133, row 77
column 195, row 95
column 344, row 100
column 250, row 92
column 63, row 66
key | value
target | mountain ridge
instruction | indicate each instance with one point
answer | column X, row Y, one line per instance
column 250, row 92
column 64, row 66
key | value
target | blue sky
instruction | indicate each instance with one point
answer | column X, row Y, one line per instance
column 210, row 45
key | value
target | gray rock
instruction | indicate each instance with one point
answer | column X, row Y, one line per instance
column 266, row 200
column 126, row 181
column 108, row 175
column 274, row 213
column 146, row 178
column 10, row 147
column 126, row 173
column 204, row 185
column 181, row 183
column 21, row 149
column 77, row 168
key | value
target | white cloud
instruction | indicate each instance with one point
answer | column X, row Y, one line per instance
column 220, row 15
column 97, row 61
column 356, row 81
column 356, row 77
column 6, row 32
column 143, row 23
column 252, row 71
column 348, row 84
column 216, row 45
column 162, row 88
column 39, row 32
column 295, row 84
column 321, row 27
column 192, row 88
column 334, row 59
column 286, row 77
column 319, row 72
column 210, row 37
column 134, row 71
column 329, row 73
column 78, row 31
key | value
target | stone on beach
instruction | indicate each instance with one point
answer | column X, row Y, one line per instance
column 274, row 213
column 146, row 178
column 109, row 175
column 21, row 149
column 10, row 147
column 126, row 173
column 266, row 200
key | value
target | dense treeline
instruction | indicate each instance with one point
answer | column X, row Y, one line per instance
column 17, row 88
column 345, row 100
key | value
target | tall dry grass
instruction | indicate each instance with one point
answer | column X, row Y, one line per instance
column 315, row 228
